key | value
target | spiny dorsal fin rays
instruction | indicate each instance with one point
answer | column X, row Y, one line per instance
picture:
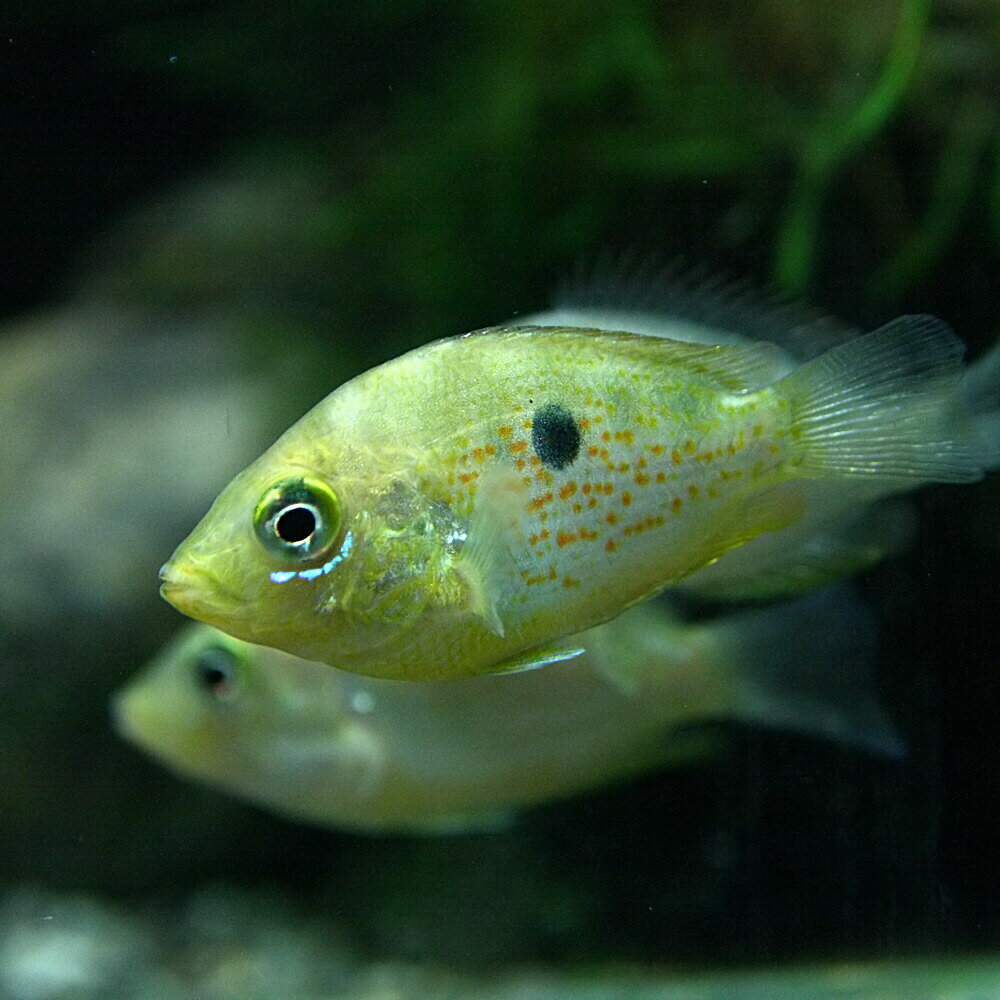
column 701, row 297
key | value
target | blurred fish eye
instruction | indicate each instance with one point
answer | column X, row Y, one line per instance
column 298, row 519
column 216, row 670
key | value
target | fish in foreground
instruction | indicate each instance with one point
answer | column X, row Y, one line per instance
column 344, row 751
column 463, row 509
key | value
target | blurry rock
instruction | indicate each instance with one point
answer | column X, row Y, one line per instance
column 56, row 946
column 467, row 902
column 257, row 945
column 253, row 238
column 119, row 429
column 123, row 426
column 254, row 945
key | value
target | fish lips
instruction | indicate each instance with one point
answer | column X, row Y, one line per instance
column 141, row 716
column 195, row 593
column 130, row 715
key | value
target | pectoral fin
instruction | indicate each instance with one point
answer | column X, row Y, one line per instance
column 486, row 563
column 482, row 601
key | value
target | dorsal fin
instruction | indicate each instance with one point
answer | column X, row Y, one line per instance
column 702, row 298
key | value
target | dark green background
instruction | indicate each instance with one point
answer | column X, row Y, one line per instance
column 457, row 159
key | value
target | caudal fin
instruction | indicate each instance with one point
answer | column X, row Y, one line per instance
column 988, row 431
column 807, row 666
column 981, row 390
column 888, row 404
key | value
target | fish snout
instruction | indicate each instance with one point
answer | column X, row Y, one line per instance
column 130, row 715
column 190, row 589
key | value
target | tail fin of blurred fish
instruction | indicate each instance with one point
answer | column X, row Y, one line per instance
column 981, row 389
column 808, row 666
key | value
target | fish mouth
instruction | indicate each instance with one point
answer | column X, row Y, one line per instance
column 137, row 716
column 194, row 592
column 126, row 715
column 134, row 717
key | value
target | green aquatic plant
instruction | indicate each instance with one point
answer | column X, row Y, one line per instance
column 951, row 188
column 471, row 151
column 833, row 141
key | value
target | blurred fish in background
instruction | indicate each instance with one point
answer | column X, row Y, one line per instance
column 352, row 752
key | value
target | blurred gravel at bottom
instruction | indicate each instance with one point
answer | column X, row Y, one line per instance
column 228, row 944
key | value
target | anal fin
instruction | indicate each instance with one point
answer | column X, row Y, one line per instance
column 770, row 509
column 806, row 561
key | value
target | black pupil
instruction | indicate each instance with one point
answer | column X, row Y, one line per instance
column 295, row 524
column 215, row 668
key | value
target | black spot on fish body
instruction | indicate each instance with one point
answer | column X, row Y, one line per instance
column 555, row 436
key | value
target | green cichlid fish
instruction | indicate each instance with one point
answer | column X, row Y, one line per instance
column 462, row 509
column 345, row 751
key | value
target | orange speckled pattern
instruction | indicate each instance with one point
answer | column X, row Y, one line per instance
column 659, row 446
column 502, row 490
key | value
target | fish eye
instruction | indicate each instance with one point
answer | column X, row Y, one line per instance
column 298, row 519
column 217, row 672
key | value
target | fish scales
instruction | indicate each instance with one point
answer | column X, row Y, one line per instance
column 653, row 452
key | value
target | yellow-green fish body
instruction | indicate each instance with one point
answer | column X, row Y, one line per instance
column 346, row 751
column 461, row 509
